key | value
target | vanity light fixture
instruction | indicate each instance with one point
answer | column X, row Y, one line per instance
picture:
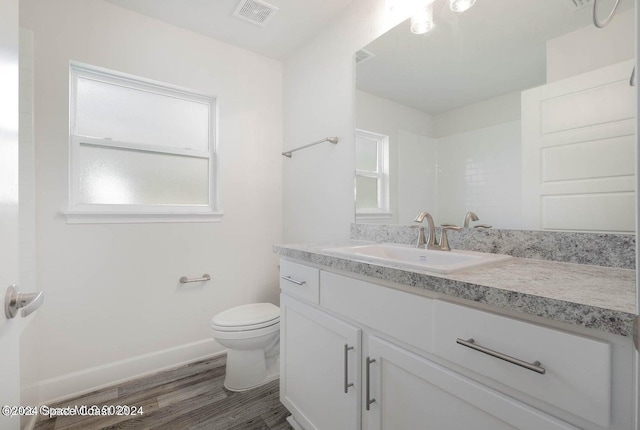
column 461, row 5
column 422, row 20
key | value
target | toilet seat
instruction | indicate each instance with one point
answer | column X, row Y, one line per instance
column 254, row 316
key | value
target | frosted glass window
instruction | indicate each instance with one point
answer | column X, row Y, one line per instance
column 106, row 110
column 366, row 193
column 372, row 175
column 366, row 154
column 140, row 147
column 126, row 177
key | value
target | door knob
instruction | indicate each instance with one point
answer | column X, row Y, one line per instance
column 15, row 300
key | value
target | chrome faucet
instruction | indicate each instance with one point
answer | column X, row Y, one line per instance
column 470, row 216
column 431, row 243
column 444, row 240
column 473, row 217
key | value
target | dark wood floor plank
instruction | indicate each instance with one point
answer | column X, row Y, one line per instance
column 140, row 398
column 252, row 424
column 157, row 419
column 282, row 426
column 97, row 423
column 220, row 410
column 170, row 375
column 276, row 417
column 190, row 391
column 49, row 424
column 188, row 397
column 235, row 410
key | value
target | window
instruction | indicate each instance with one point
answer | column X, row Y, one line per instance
column 372, row 175
column 141, row 151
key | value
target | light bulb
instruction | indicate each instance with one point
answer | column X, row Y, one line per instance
column 422, row 20
column 461, row 5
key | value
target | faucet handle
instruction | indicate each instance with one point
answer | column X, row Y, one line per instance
column 422, row 240
column 482, row 226
column 444, row 241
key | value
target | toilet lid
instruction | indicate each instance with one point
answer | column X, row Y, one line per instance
column 247, row 315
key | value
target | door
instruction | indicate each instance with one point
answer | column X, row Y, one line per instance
column 320, row 367
column 408, row 392
column 9, row 329
column 578, row 143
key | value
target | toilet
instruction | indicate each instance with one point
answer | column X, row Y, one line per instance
column 251, row 333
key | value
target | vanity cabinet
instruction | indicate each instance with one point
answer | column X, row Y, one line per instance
column 320, row 367
column 402, row 354
column 411, row 392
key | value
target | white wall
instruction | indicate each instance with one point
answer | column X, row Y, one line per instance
column 591, row 48
column 114, row 307
column 417, row 176
column 480, row 171
column 493, row 111
column 386, row 117
column 319, row 99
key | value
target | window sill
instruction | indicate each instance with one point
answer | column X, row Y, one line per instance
column 111, row 217
column 374, row 215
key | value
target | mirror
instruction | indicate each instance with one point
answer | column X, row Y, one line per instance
column 520, row 111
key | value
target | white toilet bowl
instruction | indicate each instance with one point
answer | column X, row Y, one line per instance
column 251, row 334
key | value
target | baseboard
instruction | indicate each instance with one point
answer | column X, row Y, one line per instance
column 293, row 423
column 88, row 380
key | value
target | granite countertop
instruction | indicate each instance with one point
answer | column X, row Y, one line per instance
column 595, row 297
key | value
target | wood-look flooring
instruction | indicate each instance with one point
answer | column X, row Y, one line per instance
column 187, row 397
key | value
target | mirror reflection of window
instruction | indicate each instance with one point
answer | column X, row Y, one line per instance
column 372, row 175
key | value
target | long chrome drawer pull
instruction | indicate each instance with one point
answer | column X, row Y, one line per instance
column 185, row 280
column 369, row 399
column 290, row 279
column 347, row 384
column 535, row 366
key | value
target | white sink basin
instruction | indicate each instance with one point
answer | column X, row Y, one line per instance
column 423, row 259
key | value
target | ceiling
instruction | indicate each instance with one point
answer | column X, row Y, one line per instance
column 494, row 48
column 292, row 26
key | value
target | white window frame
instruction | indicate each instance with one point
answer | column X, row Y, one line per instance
column 382, row 174
column 78, row 213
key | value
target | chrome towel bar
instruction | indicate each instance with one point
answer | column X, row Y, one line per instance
column 185, row 280
column 333, row 140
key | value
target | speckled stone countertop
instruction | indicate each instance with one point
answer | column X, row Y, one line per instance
column 595, row 297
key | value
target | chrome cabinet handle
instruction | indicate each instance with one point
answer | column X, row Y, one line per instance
column 535, row 366
column 14, row 300
column 347, row 384
column 290, row 279
column 369, row 400
column 185, row 280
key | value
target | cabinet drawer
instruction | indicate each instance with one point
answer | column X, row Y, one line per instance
column 404, row 316
column 300, row 281
column 577, row 374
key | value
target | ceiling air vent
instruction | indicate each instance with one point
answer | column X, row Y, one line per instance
column 255, row 11
column 363, row 55
column 579, row 4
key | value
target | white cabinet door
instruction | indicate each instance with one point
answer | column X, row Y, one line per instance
column 319, row 360
column 410, row 392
